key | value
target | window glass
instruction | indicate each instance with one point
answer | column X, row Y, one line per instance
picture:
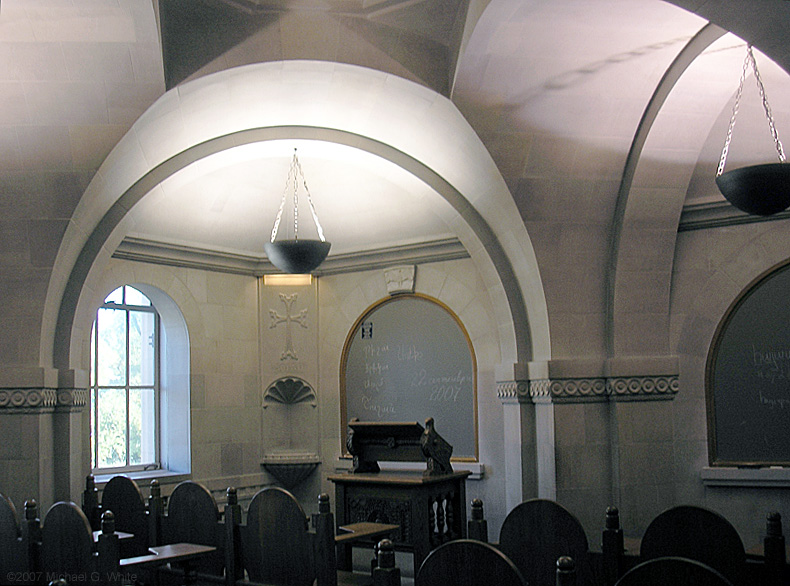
column 111, row 431
column 112, row 347
column 124, row 383
column 134, row 297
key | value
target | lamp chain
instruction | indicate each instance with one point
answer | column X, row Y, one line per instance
column 749, row 61
column 296, row 169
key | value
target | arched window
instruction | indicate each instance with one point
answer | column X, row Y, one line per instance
column 124, row 379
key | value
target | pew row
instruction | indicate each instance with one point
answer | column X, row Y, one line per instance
column 535, row 533
column 190, row 541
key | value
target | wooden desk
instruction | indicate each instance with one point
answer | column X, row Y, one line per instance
column 366, row 531
column 428, row 510
column 120, row 534
column 175, row 554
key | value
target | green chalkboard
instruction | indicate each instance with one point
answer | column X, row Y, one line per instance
column 748, row 377
column 407, row 358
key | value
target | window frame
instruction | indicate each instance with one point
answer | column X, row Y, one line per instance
column 127, row 308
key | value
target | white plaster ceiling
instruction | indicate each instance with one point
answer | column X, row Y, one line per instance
column 549, row 86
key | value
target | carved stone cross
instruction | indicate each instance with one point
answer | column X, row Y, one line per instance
column 288, row 319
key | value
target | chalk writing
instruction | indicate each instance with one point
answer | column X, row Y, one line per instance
column 376, row 368
column 371, row 350
column 409, row 353
column 771, row 365
column 368, row 404
column 773, row 402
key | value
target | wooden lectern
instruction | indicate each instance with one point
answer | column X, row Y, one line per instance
column 428, row 506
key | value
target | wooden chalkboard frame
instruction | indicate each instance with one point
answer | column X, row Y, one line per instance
column 344, row 360
column 712, row 393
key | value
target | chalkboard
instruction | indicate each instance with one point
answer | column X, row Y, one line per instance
column 748, row 377
column 407, row 358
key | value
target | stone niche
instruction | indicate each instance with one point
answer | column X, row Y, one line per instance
column 290, row 430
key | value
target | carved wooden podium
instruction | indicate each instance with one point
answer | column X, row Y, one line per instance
column 428, row 506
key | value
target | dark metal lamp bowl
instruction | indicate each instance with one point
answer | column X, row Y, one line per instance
column 297, row 256
column 760, row 190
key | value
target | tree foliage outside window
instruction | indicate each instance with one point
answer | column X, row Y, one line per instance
column 124, row 382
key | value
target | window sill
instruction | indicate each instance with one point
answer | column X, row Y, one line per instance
column 766, row 477
column 163, row 476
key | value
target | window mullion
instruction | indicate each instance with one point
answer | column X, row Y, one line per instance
column 128, row 426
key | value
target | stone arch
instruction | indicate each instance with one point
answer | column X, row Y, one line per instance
column 453, row 162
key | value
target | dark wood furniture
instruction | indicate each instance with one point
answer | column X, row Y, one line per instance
column 674, row 571
column 122, row 496
column 278, row 547
column 698, row 534
column 181, row 555
column 12, row 556
column 193, row 517
column 429, row 510
column 67, row 546
column 468, row 562
column 429, row 507
column 536, row 533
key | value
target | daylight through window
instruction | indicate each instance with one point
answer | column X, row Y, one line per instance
column 124, row 379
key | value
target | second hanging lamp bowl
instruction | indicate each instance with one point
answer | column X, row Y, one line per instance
column 760, row 190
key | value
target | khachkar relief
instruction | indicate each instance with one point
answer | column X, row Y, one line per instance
column 578, row 390
column 289, row 319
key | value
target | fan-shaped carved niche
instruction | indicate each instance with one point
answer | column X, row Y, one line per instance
column 290, row 430
column 289, row 391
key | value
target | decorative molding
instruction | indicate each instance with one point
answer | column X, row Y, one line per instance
column 289, row 391
column 181, row 255
column 589, row 390
column 400, row 279
column 42, row 400
column 513, row 391
column 72, row 398
column 719, row 214
column 643, row 388
column 571, row 390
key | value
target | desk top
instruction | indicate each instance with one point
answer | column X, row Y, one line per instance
column 405, row 478
column 164, row 554
column 120, row 534
column 365, row 530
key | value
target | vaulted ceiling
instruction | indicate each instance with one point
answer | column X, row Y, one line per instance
column 556, row 90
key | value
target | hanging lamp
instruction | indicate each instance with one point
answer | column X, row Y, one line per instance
column 760, row 190
column 296, row 256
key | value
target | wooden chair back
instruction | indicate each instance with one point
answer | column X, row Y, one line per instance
column 67, row 543
column 276, row 543
column 193, row 517
column 122, row 496
column 468, row 562
column 674, row 571
column 12, row 556
column 698, row 534
column 536, row 533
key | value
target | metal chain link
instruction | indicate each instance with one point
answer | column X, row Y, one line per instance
column 296, row 169
column 749, row 61
column 778, row 143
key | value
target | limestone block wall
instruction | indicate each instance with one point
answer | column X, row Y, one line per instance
column 457, row 284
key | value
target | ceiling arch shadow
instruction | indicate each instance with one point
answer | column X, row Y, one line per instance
column 502, row 243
